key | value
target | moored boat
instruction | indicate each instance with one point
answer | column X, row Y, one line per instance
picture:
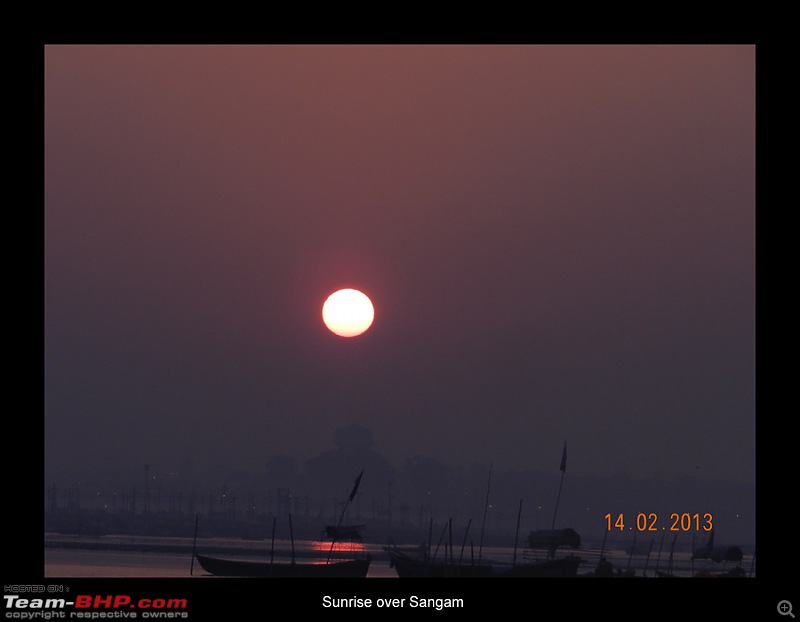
column 343, row 533
column 718, row 552
column 734, row 573
column 351, row 568
column 554, row 538
column 411, row 566
column 566, row 566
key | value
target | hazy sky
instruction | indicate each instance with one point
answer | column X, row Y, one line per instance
column 559, row 242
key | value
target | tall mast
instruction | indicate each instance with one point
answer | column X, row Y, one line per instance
column 563, row 469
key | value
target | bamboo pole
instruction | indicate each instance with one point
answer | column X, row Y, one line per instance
column 516, row 534
column 563, row 469
column 485, row 510
column 439, row 543
column 647, row 559
column 344, row 509
column 660, row 547
column 450, row 538
column 194, row 543
column 430, row 540
column 272, row 548
column 630, row 555
column 464, row 542
column 291, row 534
column 272, row 545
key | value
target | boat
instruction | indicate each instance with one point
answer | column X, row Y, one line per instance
column 718, row 552
column 554, row 538
column 548, row 541
column 566, row 566
column 351, row 568
column 348, row 568
column 734, row 573
column 408, row 566
column 551, row 566
column 605, row 569
column 350, row 533
column 423, row 564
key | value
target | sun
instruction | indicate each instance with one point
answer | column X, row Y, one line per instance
column 348, row 312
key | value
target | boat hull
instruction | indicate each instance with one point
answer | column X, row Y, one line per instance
column 355, row 568
column 407, row 566
column 561, row 567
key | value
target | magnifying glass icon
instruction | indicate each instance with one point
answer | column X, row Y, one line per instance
column 785, row 608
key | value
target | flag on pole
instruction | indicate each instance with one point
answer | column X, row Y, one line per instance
column 355, row 488
column 563, row 467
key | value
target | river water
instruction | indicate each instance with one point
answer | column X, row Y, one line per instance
column 151, row 557
column 141, row 570
column 71, row 563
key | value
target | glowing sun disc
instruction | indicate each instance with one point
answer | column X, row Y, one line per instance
column 348, row 312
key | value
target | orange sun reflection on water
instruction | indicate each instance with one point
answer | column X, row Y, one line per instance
column 338, row 547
